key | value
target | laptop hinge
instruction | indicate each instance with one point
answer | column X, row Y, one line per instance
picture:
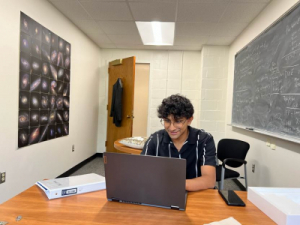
column 174, row 207
column 115, row 200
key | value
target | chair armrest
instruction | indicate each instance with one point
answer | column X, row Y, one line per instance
column 234, row 160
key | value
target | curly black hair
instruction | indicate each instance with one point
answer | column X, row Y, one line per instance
column 176, row 105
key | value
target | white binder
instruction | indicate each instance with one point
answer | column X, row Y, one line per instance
column 67, row 186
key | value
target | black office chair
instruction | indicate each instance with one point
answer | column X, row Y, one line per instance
column 232, row 153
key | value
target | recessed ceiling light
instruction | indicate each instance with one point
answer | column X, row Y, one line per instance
column 156, row 33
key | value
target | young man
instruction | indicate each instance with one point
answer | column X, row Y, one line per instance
column 179, row 140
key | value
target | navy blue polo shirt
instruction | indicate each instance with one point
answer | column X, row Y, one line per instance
column 198, row 150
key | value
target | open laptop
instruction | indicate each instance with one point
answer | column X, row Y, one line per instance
column 145, row 180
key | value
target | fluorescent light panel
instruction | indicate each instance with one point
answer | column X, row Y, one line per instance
column 156, row 33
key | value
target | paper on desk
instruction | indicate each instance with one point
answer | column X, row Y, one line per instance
column 228, row 221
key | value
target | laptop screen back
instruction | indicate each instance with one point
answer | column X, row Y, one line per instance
column 145, row 180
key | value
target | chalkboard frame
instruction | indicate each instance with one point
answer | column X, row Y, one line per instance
column 255, row 130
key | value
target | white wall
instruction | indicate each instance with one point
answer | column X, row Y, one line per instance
column 213, row 90
column 171, row 72
column 280, row 167
column 49, row 159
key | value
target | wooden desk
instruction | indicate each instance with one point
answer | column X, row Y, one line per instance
column 93, row 208
column 125, row 149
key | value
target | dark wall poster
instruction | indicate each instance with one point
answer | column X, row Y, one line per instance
column 44, row 84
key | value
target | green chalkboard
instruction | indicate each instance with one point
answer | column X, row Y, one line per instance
column 266, row 95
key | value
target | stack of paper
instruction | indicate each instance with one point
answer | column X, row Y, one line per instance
column 63, row 187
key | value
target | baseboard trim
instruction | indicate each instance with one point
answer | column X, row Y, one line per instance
column 239, row 184
column 78, row 166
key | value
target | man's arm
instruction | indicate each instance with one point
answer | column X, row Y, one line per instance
column 207, row 179
column 208, row 169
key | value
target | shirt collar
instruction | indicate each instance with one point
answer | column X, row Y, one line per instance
column 193, row 135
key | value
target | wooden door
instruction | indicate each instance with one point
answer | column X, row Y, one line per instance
column 126, row 72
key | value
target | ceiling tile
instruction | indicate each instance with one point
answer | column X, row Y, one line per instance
column 178, row 48
column 110, row 23
column 100, row 10
column 191, row 29
column 107, row 46
column 125, row 39
column 100, row 38
column 152, row 1
column 257, row 1
column 71, row 9
column 88, row 26
column 153, row 11
column 242, row 12
column 228, row 29
column 190, row 40
column 155, row 47
column 118, row 27
column 204, row 1
column 200, row 12
column 124, row 46
column 214, row 40
column 103, row 0
column 142, row 47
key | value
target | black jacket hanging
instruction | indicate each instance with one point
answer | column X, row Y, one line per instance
column 116, row 103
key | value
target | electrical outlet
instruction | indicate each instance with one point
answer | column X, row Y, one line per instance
column 253, row 168
column 73, row 148
column 2, row 177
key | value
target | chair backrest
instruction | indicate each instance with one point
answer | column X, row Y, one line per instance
column 231, row 148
